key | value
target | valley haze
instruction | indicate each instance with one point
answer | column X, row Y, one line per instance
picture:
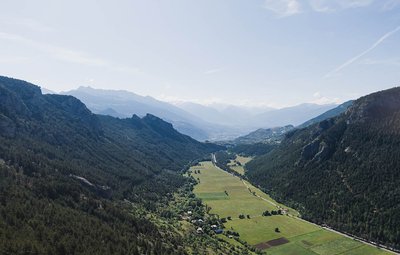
column 199, row 121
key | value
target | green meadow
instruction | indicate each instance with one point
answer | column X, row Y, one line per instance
column 239, row 168
column 230, row 196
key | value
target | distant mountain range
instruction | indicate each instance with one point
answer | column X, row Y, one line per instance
column 276, row 134
column 254, row 118
column 228, row 115
column 222, row 122
column 294, row 115
column 124, row 104
column 342, row 171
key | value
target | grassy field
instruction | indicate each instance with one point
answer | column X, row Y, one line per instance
column 228, row 195
column 239, row 168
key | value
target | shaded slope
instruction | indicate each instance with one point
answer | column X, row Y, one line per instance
column 344, row 171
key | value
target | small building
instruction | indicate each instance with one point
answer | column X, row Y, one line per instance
column 219, row 231
column 200, row 221
column 199, row 231
column 213, row 226
column 189, row 213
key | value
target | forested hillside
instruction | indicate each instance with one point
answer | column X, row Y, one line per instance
column 328, row 114
column 262, row 135
column 255, row 149
column 72, row 182
column 343, row 172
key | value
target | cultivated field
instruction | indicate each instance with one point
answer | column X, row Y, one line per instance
column 229, row 196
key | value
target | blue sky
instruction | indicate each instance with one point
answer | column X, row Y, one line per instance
column 248, row 52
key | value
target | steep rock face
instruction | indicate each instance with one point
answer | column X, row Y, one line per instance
column 74, row 111
column 321, row 148
column 11, row 104
column 161, row 127
column 343, row 171
column 25, row 109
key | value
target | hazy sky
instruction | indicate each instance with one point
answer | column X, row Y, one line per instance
column 254, row 52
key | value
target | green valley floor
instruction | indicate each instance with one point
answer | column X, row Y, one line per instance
column 230, row 196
